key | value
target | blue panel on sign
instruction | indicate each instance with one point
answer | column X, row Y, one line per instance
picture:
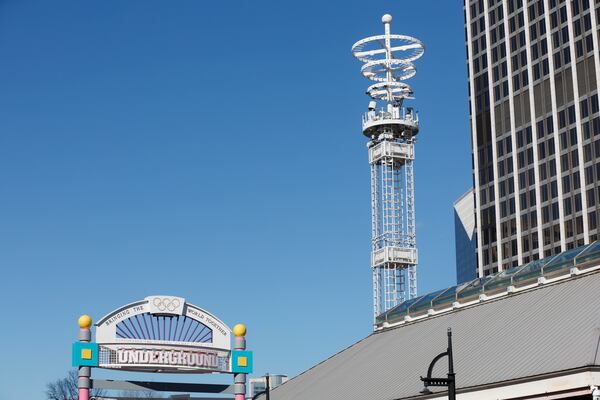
column 85, row 354
column 241, row 361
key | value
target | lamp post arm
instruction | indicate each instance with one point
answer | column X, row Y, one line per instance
column 436, row 359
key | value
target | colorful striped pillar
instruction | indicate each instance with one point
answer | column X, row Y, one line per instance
column 84, row 382
column 239, row 379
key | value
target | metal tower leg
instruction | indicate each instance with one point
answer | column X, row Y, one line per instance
column 411, row 224
column 376, row 292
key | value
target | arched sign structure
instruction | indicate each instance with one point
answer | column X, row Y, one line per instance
column 162, row 334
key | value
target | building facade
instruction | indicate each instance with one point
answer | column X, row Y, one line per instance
column 257, row 386
column 464, row 238
column 534, row 68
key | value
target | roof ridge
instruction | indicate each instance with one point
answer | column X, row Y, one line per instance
column 490, row 301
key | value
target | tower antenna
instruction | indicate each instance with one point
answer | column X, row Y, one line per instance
column 391, row 129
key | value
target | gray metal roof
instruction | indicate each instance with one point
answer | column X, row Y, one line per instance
column 551, row 328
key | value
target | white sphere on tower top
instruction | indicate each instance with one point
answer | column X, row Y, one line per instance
column 386, row 19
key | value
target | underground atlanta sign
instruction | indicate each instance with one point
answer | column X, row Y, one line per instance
column 162, row 334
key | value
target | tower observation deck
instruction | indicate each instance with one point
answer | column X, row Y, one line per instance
column 391, row 129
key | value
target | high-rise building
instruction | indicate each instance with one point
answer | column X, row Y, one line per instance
column 464, row 238
column 259, row 385
column 534, row 68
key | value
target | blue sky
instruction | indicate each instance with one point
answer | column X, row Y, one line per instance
column 210, row 150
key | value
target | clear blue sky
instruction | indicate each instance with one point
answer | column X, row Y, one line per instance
column 210, row 150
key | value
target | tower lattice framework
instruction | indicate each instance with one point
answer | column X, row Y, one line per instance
column 391, row 129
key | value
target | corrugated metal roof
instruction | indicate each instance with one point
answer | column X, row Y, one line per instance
column 547, row 329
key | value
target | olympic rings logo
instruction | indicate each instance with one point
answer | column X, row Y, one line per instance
column 166, row 303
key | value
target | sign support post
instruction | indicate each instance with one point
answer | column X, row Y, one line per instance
column 239, row 344
column 84, row 372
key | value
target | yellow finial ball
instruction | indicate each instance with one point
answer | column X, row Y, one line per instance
column 239, row 330
column 85, row 321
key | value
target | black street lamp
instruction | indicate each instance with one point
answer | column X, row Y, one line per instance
column 268, row 392
column 450, row 382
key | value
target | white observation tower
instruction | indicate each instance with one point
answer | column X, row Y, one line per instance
column 391, row 129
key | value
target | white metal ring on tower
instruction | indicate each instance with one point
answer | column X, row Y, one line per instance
column 398, row 70
column 379, row 90
column 403, row 47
